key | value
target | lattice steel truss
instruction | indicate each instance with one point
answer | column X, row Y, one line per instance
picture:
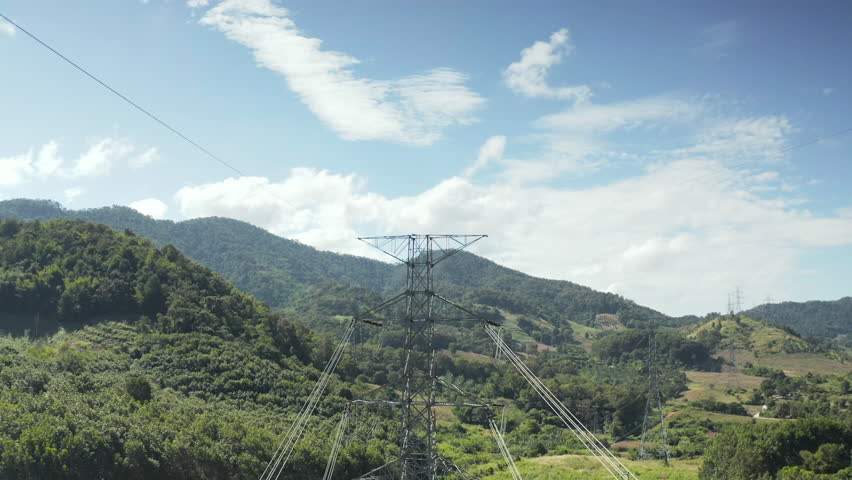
column 418, row 309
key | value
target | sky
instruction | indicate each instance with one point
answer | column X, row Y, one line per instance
column 668, row 152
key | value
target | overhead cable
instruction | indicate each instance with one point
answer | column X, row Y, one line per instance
column 122, row 96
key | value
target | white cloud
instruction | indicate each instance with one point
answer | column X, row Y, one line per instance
column 755, row 139
column 491, row 151
column 642, row 113
column 15, row 169
column 152, row 207
column 197, row 3
column 676, row 237
column 528, row 76
column 48, row 161
column 7, row 28
column 414, row 109
column 99, row 158
column 72, row 193
column 145, row 158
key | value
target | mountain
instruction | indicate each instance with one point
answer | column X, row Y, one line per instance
column 279, row 271
column 147, row 365
column 830, row 320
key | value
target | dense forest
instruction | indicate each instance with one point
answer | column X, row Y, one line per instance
column 123, row 358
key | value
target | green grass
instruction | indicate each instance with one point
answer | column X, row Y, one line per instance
column 798, row 364
column 580, row 332
column 577, row 467
column 715, row 385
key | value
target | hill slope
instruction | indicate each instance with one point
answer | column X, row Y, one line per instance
column 821, row 319
column 278, row 271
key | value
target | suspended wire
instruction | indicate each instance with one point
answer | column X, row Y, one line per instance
column 504, row 450
column 287, row 446
column 610, row 461
column 123, row 97
column 817, row 140
column 335, row 447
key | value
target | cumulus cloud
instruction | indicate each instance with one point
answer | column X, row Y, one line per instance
column 413, row 110
column 655, row 237
column 491, row 151
column 72, row 193
column 48, row 161
column 144, row 159
column 152, row 207
column 7, row 28
column 528, row 76
column 16, row 168
column 99, row 158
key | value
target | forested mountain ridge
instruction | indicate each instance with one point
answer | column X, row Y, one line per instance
column 823, row 319
column 199, row 380
column 278, row 271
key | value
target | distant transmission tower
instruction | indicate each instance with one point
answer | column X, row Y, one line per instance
column 654, row 408
column 735, row 302
column 738, row 300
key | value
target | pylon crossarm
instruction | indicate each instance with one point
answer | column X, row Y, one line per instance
column 395, row 246
column 386, row 304
column 452, row 244
column 471, row 315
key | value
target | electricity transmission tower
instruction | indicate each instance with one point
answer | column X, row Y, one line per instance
column 419, row 390
column 654, row 408
column 418, row 308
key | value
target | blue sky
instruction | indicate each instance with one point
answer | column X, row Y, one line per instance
column 652, row 150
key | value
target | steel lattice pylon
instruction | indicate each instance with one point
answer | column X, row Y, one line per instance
column 418, row 308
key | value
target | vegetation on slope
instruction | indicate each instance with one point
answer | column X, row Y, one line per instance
column 278, row 271
column 827, row 320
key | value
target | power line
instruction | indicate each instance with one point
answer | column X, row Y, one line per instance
column 818, row 139
column 131, row 102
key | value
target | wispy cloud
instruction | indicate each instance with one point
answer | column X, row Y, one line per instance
column 490, row 152
column 602, row 118
column 827, row 91
column 414, row 109
column 528, row 76
column 717, row 39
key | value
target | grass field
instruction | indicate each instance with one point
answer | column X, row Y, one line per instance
column 798, row 364
column 714, row 385
column 576, row 467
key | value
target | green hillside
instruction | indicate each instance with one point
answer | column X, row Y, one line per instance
column 741, row 332
column 831, row 320
column 280, row 272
